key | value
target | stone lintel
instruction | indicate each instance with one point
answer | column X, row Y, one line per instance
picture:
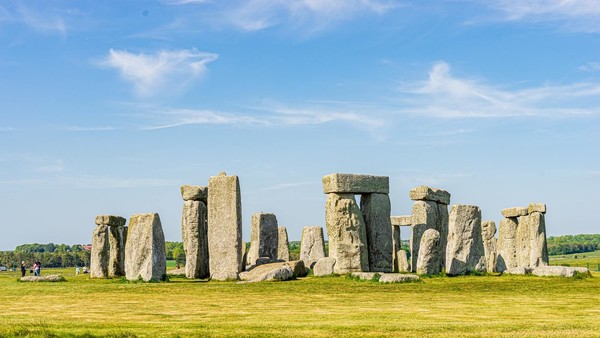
column 425, row 193
column 355, row 184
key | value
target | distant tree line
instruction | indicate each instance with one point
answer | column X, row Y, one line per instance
column 50, row 255
column 569, row 244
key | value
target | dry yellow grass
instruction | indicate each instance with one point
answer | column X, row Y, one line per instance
column 473, row 306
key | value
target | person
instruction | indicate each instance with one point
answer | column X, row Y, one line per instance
column 85, row 270
column 36, row 268
column 77, row 271
column 23, row 269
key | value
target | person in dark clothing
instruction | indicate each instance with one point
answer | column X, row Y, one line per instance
column 23, row 269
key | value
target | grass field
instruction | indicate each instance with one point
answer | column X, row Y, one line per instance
column 586, row 259
column 472, row 306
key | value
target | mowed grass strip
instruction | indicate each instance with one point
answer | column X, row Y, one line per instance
column 471, row 306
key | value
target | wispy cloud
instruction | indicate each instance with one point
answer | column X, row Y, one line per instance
column 56, row 167
column 99, row 182
column 590, row 67
column 164, row 70
column 82, row 129
column 576, row 15
column 283, row 186
column 448, row 96
column 47, row 21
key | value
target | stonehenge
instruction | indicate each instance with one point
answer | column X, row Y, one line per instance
column 429, row 262
column 283, row 245
column 145, row 256
column 194, row 231
column 360, row 238
column 464, row 251
column 312, row 245
column 488, row 231
column 108, row 247
column 224, row 227
column 400, row 257
column 264, row 235
column 100, row 252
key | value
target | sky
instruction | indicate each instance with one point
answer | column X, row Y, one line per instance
column 107, row 107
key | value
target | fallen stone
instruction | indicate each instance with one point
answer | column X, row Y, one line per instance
column 425, row 193
column 488, row 232
column 194, row 193
column 464, row 252
column 429, row 262
column 49, row 278
column 402, row 221
column 517, row 270
column 558, row 271
column 194, row 232
column 224, row 227
column 110, row 220
column 268, row 272
column 145, row 254
column 365, row 275
column 355, row 184
column 283, row 245
column 506, row 257
column 298, row 267
column 398, row 278
column 176, row 272
column 324, row 267
column 312, row 245
column 376, row 209
column 403, row 265
column 424, row 217
column 263, row 237
column 347, row 233
column 536, row 207
column 515, row 212
column 100, row 252
column 538, row 247
column 117, row 236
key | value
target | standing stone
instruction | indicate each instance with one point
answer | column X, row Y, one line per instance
column 538, row 255
column 464, row 252
column 263, row 238
column 429, row 262
column 488, row 231
column 145, row 254
column 117, row 239
column 195, row 239
column 403, row 265
column 347, row 233
column 442, row 227
column 523, row 242
column 283, row 245
column 507, row 244
column 224, row 227
column 100, row 252
column 424, row 217
column 376, row 210
column 396, row 245
column 312, row 246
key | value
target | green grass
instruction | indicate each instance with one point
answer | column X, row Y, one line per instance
column 471, row 306
column 591, row 259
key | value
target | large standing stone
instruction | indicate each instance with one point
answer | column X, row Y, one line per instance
column 424, row 217
column 145, row 255
column 347, row 233
column 403, row 265
column 195, row 239
column 396, row 245
column 425, row 193
column 507, row 244
column 312, row 246
column 117, row 239
column 522, row 241
column 538, row 254
column 324, row 267
column 429, row 262
column 263, row 237
column 224, row 227
column 283, row 245
column 355, row 184
column 488, row 231
column 464, row 252
column 100, row 252
column 376, row 209
column 442, row 227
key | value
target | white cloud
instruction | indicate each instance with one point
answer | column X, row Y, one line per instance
column 56, row 167
column 576, row 15
column 590, row 67
column 165, row 70
column 445, row 95
column 47, row 21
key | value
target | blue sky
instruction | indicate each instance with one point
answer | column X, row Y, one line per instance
column 108, row 107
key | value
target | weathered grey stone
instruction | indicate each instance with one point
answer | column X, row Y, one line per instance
column 347, row 233
column 376, row 209
column 263, row 237
column 425, row 193
column 398, row 278
column 244, row 255
column 396, row 245
column 355, row 184
column 424, row 217
column 282, row 273
column 517, row 270
column 298, row 267
column 271, row 271
column 100, row 252
column 194, row 232
column 224, row 227
column 522, row 241
column 365, row 275
column 538, row 248
column 558, row 271
column 324, row 267
column 429, row 262
column 145, row 254
column 117, row 238
column 194, row 193
column 49, row 278
column 401, row 221
column 403, row 265
column 515, row 212
column 283, row 246
column 464, row 252
column 110, row 220
column 442, row 227
column 536, row 207
column 506, row 257
column 488, row 231
column 312, row 246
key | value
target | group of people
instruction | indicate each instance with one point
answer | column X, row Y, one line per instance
column 37, row 267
